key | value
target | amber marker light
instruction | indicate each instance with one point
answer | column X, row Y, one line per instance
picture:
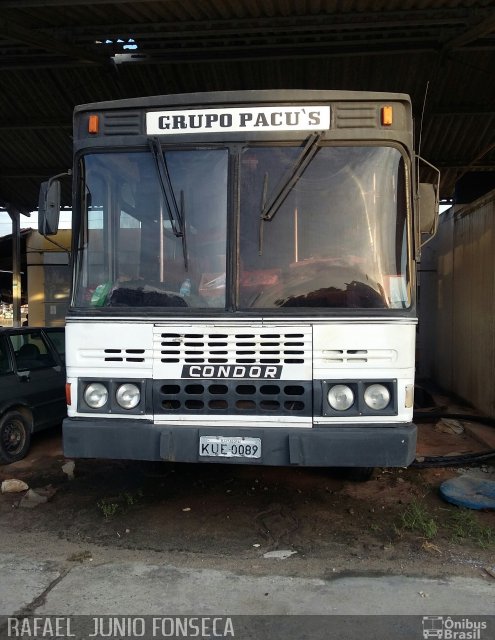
column 93, row 124
column 387, row 116
column 68, row 398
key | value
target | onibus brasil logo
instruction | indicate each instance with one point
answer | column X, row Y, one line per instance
column 446, row 628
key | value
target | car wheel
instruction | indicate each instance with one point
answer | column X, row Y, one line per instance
column 15, row 437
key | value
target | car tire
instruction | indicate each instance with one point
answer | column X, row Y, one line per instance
column 15, row 437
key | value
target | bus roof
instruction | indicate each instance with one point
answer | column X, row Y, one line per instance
column 242, row 97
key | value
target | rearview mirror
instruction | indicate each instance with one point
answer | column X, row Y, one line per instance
column 428, row 197
column 428, row 208
column 49, row 207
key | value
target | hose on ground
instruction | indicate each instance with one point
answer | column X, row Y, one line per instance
column 452, row 461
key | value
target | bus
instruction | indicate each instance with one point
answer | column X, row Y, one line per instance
column 243, row 270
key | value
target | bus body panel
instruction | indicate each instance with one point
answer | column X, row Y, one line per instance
column 392, row 445
column 133, row 352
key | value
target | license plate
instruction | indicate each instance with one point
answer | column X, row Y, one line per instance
column 224, row 447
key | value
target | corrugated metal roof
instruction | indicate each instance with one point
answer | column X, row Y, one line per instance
column 54, row 54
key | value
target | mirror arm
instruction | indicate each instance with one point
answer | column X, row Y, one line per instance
column 59, row 175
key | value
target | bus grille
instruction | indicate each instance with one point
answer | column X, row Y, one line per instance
column 233, row 397
column 234, row 346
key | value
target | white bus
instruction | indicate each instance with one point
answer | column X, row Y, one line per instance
column 244, row 278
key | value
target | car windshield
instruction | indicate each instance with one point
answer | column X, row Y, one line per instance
column 328, row 231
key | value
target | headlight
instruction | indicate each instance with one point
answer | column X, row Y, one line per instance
column 377, row 397
column 340, row 397
column 96, row 395
column 128, row 396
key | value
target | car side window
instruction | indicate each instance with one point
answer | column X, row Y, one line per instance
column 5, row 366
column 57, row 336
column 31, row 351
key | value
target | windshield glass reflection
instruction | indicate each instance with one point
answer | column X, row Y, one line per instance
column 339, row 238
column 336, row 239
column 130, row 254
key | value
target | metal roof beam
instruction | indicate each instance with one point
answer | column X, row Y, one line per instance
column 462, row 110
column 25, row 4
column 46, row 42
column 483, row 28
column 424, row 20
column 246, row 38
column 11, row 173
column 466, row 165
column 337, row 22
column 52, row 123
column 244, row 54
column 476, row 163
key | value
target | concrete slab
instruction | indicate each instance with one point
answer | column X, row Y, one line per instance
column 136, row 588
column 23, row 581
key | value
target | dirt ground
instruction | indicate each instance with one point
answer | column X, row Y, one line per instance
column 229, row 516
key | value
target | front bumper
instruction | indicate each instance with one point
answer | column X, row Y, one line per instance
column 372, row 445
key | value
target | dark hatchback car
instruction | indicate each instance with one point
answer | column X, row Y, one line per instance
column 32, row 386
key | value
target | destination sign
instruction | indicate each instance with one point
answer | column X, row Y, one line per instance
column 288, row 118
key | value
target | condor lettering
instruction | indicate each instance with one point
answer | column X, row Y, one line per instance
column 272, row 372
column 285, row 118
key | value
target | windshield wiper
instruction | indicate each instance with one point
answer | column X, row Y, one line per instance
column 307, row 154
column 174, row 214
column 183, row 222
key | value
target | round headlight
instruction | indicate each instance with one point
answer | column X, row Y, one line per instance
column 96, row 395
column 340, row 397
column 377, row 396
column 128, row 396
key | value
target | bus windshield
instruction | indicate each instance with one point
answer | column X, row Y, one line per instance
column 335, row 237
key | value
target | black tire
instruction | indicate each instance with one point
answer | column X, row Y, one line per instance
column 15, row 437
column 359, row 474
